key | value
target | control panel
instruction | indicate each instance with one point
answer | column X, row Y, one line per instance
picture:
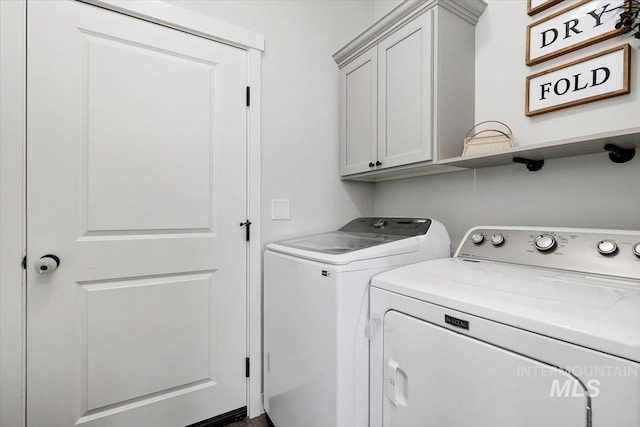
column 395, row 226
column 603, row 252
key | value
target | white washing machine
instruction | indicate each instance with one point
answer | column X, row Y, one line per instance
column 523, row 327
column 316, row 303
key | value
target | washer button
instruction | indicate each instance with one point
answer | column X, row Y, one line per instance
column 477, row 238
column 545, row 242
column 497, row 239
column 636, row 249
column 607, row 247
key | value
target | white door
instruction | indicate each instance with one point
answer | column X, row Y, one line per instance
column 137, row 182
column 437, row 377
column 405, row 76
column 358, row 114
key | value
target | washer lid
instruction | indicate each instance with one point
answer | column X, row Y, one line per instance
column 367, row 238
column 339, row 242
column 598, row 312
column 339, row 248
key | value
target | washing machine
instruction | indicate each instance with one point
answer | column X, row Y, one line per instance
column 523, row 327
column 316, row 303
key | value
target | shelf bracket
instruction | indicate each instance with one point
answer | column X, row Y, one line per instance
column 532, row 165
column 618, row 154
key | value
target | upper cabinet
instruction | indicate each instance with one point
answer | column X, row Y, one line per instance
column 405, row 61
column 358, row 117
column 407, row 90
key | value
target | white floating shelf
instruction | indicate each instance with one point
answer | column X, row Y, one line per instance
column 589, row 144
column 627, row 138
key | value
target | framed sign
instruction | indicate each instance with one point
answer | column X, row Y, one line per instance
column 537, row 6
column 603, row 75
column 579, row 25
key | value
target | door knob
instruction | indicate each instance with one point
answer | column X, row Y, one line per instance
column 371, row 164
column 378, row 163
column 47, row 264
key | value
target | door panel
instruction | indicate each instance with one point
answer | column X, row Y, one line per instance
column 175, row 192
column 436, row 377
column 405, row 62
column 358, row 114
column 137, row 181
column 121, row 368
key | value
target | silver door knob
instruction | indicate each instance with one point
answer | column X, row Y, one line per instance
column 47, row 264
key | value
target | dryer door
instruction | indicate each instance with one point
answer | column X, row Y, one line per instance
column 439, row 378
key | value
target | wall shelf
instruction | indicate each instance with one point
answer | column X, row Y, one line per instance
column 589, row 144
column 530, row 156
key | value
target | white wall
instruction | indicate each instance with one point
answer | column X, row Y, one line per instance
column 584, row 191
column 501, row 72
column 382, row 7
column 300, row 128
column 300, row 107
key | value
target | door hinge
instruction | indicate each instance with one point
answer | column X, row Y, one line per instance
column 24, row 262
column 247, row 224
column 247, row 367
column 248, row 96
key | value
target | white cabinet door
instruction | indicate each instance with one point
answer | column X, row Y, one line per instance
column 405, row 64
column 358, row 114
column 437, row 377
column 137, row 182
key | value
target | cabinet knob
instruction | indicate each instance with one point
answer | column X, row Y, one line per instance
column 378, row 163
column 371, row 164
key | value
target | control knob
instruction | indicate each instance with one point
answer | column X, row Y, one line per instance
column 545, row 242
column 636, row 249
column 477, row 238
column 497, row 240
column 606, row 247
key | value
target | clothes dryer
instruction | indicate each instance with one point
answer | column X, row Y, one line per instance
column 523, row 327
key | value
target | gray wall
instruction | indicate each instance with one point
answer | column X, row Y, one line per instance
column 584, row 191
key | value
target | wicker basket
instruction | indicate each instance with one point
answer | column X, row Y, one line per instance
column 500, row 140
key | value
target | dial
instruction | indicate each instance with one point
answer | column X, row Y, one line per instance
column 497, row 239
column 607, row 247
column 545, row 242
column 477, row 238
column 636, row 249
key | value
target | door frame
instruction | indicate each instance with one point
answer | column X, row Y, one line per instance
column 13, row 186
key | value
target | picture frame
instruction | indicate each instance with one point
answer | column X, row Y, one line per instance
column 603, row 75
column 582, row 24
column 537, row 6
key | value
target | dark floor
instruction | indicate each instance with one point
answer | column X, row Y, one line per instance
column 255, row 422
